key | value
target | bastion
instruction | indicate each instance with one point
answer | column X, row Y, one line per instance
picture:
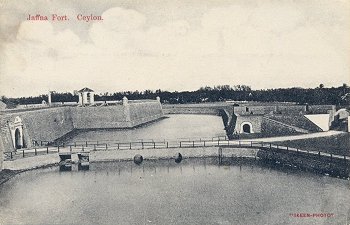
column 20, row 129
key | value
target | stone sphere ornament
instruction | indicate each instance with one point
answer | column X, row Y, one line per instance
column 138, row 159
column 178, row 158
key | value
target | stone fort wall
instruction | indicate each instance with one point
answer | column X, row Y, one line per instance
column 44, row 124
column 99, row 117
column 184, row 109
column 254, row 120
column 50, row 124
column 283, row 109
column 144, row 112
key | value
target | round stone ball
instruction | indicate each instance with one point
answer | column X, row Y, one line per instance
column 178, row 158
column 138, row 159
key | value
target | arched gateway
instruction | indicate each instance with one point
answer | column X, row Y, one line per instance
column 16, row 128
column 246, row 127
column 18, row 139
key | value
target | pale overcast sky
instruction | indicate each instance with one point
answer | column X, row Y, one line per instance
column 173, row 45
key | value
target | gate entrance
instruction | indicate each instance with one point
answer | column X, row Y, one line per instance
column 246, row 128
column 18, row 139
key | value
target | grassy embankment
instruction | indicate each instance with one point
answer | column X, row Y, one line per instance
column 335, row 144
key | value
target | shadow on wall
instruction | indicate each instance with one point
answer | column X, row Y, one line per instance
column 20, row 129
column 340, row 121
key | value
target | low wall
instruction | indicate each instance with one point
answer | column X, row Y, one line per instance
column 32, row 162
column 166, row 153
column 190, row 109
column 320, row 109
column 291, row 109
column 283, row 109
column 254, row 109
column 317, row 164
column 127, row 155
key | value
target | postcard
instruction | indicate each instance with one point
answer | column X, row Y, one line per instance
column 174, row 112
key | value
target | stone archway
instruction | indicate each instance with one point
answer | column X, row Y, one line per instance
column 18, row 139
column 16, row 128
column 246, row 127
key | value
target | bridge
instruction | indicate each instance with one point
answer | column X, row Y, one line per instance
column 46, row 147
column 220, row 147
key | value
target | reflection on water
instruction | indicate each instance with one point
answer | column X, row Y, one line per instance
column 171, row 128
column 196, row 191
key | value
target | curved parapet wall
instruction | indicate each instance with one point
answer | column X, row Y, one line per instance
column 42, row 124
column 205, row 111
column 129, row 115
column 52, row 123
column 144, row 112
column 99, row 117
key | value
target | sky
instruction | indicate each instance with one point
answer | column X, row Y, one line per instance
column 173, row 45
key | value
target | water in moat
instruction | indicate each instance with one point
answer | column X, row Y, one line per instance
column 173, row 127
column 195, row 191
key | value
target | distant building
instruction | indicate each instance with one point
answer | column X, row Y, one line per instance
column 86, row 96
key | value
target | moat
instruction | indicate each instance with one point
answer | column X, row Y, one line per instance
column 173, row 127
column 195, row 191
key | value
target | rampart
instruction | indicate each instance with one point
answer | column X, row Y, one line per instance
column 144, row 112
column 99, row 117
column 42, row 124
column 320, row 109
column 268, row 119
column 263, row 109
column 271, row 128
column 190, row 109
column 283, row 109
column 49, row 124
column 129, row 115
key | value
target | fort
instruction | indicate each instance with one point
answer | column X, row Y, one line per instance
column 264, row 120
column 23, row 127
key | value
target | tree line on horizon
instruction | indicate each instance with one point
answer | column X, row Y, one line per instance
column 319, row 95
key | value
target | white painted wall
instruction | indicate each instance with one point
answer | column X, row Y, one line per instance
column 320, row 120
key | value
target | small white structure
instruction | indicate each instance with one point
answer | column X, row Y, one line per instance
column 16, row 129
column 86, row 96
